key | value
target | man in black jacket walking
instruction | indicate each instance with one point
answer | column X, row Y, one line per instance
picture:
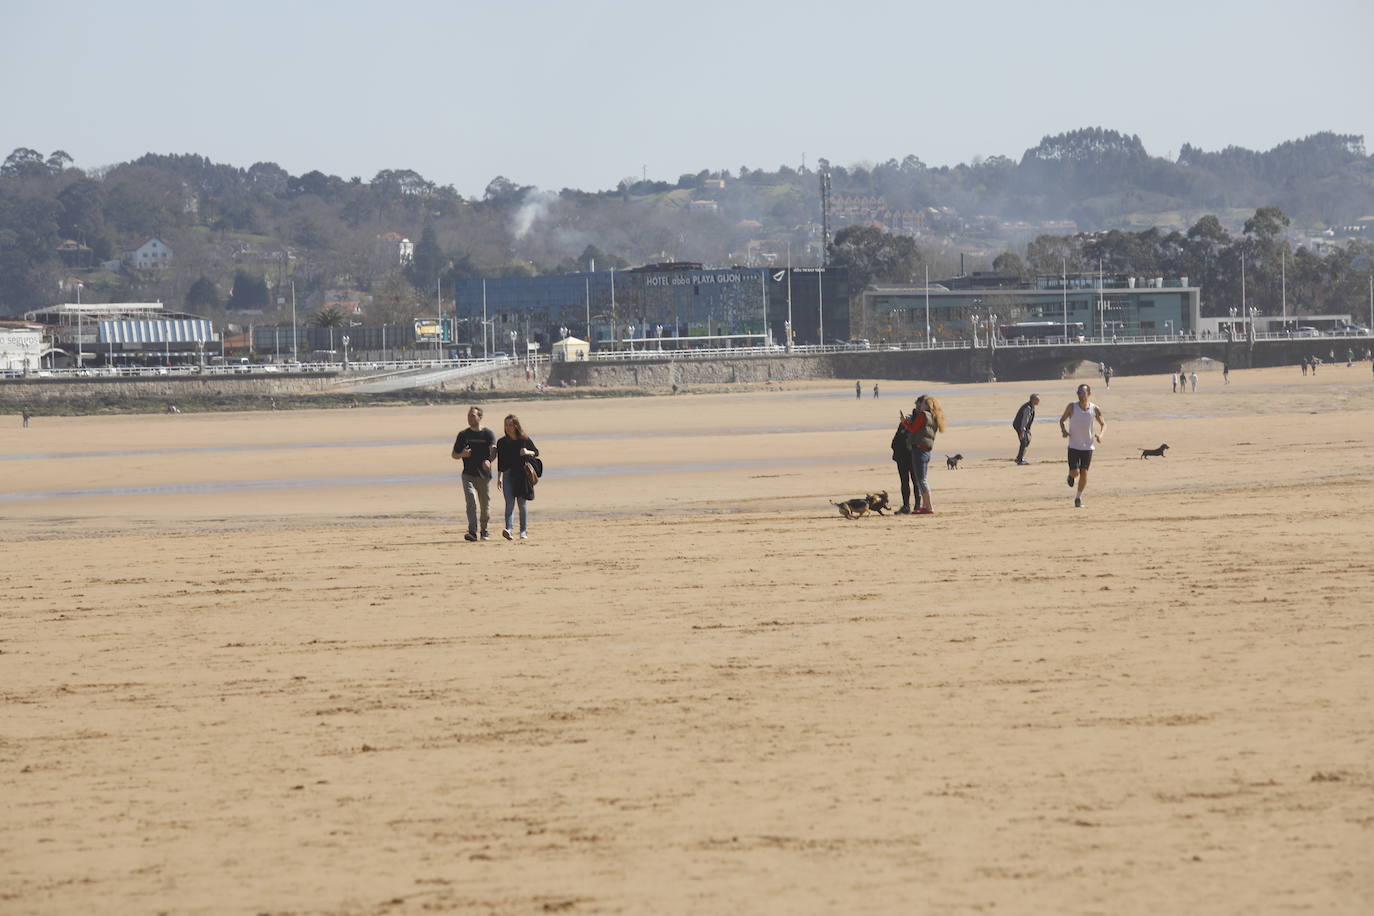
column 1022, row 424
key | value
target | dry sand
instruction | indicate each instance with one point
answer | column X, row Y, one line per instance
column 250, row 666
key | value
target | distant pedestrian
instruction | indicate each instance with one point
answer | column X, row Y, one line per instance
column 1173, row 380
column 1107, row 376
column 875, row 391
column 25, row 414
column 1304, row 367
column 858, row 390
column 1193, row 379
column 1226, row 373
column 1022, row 422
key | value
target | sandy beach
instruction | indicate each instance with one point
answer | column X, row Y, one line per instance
column 250, row 665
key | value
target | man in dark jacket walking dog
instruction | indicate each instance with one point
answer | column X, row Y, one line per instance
column 1022, row 424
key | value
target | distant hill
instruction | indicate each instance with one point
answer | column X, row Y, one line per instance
column 323, row 232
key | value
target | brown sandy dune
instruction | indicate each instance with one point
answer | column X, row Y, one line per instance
column 696, row 688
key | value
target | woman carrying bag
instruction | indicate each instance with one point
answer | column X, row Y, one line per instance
column 517, row 461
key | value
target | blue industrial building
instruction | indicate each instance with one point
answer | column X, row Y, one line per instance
column 680, row 302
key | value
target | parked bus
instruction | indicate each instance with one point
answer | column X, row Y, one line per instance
column 1044, row 331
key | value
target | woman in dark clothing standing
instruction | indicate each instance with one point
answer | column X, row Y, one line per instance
column 901, row 453
column 511, row 451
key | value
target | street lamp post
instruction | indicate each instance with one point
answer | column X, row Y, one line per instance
column 927, row 305
column 295, row 350
column 789, row 296
column 513, row 335
column 1101, row 306
column 658, row 332
column 974, row 325
column 78, row 324
column 820, row 304
column 1064, row 285
column 1168, row 329
column 345, row 346
column 630, row 339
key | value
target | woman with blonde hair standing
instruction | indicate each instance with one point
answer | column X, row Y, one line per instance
column 512, row 450
column 925, row 422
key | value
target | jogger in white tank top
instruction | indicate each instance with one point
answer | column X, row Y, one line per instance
column 1079, row 416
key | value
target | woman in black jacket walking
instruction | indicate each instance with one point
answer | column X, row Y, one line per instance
column 512, row 480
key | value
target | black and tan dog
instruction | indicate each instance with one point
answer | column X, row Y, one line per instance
column 952, row 461
column 861, row 506
column 1154, row 452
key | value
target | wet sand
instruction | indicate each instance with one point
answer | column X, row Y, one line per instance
column 251, row 666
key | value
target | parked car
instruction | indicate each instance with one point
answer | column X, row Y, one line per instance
column 1305, row 332
column 1350, row 330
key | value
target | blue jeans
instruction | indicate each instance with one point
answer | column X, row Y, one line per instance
column 920, row 468
column 509, row 482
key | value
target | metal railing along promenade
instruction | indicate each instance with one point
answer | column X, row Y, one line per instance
column 379, row 369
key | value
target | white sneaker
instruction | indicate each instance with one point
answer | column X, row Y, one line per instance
column 505, row 533
column 524, row 535
column 1078, row 502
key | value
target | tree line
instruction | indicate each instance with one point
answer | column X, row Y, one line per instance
column 243, row 236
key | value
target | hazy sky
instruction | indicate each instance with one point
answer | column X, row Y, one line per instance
column 583, row 94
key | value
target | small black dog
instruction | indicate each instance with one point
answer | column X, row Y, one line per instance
column 1156, row 452
column 952, row 461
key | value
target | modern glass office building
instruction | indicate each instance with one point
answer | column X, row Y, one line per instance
column 667, row 301
column 1106, row 306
